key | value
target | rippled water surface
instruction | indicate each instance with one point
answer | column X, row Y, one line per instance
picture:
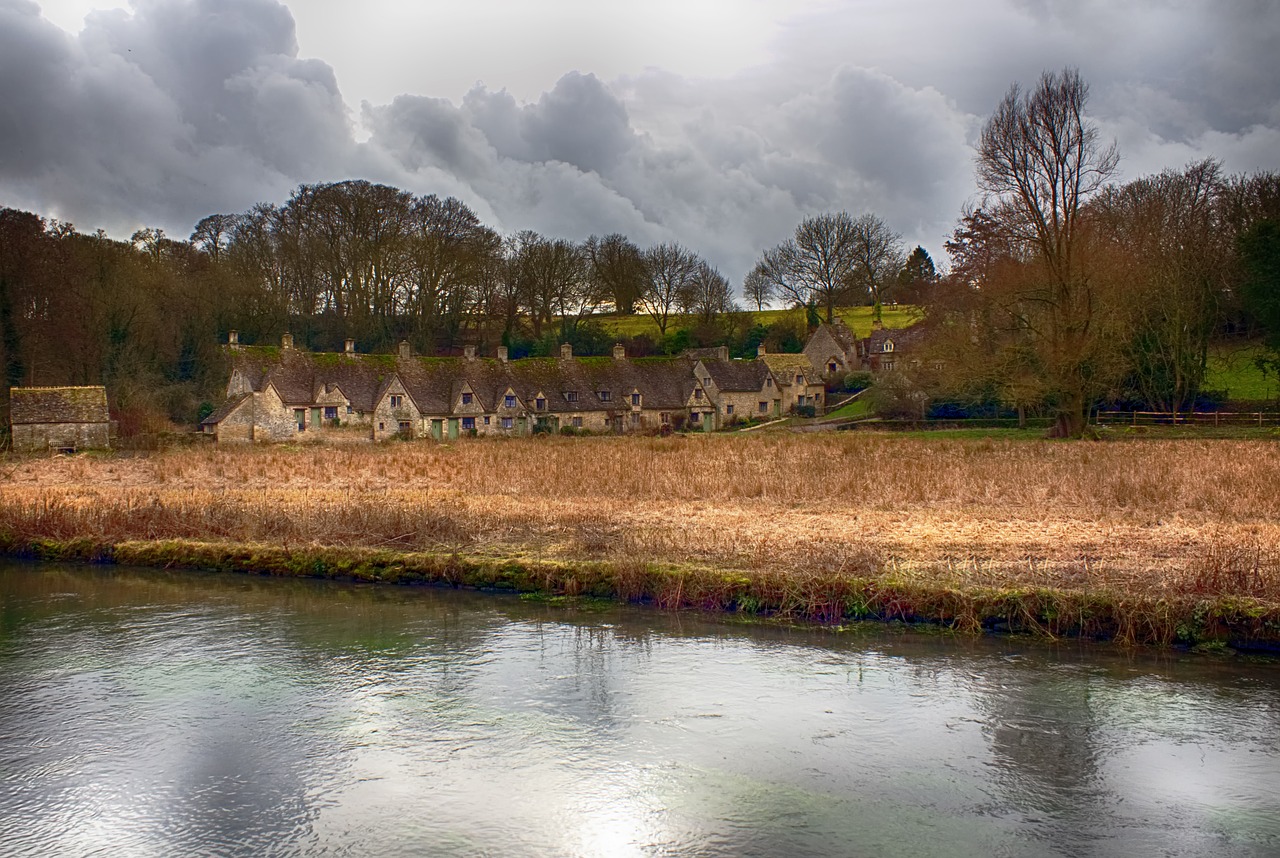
column 148, row 713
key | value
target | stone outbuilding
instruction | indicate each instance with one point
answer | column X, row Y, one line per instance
column 59, row 418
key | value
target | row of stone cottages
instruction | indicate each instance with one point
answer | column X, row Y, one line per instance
column 290, row 394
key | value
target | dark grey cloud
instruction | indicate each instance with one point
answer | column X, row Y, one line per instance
column 186, row 107
column 177, row 110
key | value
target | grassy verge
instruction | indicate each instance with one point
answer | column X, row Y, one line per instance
column 857, row 318
column 1150, row 541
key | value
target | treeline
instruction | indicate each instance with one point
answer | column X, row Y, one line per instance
column 342, row 260
column 1068, row 290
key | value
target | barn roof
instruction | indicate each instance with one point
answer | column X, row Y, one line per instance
column 28, row 405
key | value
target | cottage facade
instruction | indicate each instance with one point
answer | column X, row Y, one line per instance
column 59, row 418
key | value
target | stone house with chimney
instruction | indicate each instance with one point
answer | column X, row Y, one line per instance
column 738, row 390
column 59, row 418
column 800, row 383
column 833, row 350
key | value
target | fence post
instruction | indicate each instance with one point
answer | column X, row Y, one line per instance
column 1135, row 418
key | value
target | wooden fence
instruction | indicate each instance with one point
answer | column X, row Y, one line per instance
column 1187, row 418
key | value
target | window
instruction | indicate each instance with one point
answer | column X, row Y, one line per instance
column 635, row 399
column 507, row 422
column 577, row 422
column 509, row 401
column 832, row 367
column 888, row 346
column 396, row 400
column 406, row 428
column 764, row 408
column 486, row 420
column 768, row 381
column 886, row 364
column 799, row 379
column 697, row 393
column 571, row 395
column 706, row 382
column 695, row 418
column 605, row 396
column 466, row 399
column 664, row 418
column 540, row 404
column 728, row 409
column 468, row 424
column 331, row 412
column 349, row 409
column 381, row 426
column 635, row 418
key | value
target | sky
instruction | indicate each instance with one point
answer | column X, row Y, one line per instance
column 719, row 124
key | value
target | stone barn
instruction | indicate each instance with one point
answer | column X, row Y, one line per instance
column 59, row 418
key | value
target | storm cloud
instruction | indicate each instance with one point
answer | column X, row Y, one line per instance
column 180, row 108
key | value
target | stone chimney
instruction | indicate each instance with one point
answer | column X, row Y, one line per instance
column 469, row 352
column 566, row 351
column 619, row 351
column 502, row 353
column 286, row 342
column 722, row 352
column 233, row 338
column 761, row 351
column 349, row 346
column 405, row 350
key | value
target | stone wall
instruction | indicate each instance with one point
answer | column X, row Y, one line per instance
column 41, row 437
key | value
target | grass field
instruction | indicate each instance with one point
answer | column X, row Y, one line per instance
column 1233, row 367
column 776, row 521
column 857, row 318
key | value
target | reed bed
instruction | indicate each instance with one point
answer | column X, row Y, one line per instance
column 827, row 527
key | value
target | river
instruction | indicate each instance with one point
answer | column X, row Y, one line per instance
column 152, row 713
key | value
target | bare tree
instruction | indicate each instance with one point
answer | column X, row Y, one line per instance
column 1039, row 162
column 670, row 270
column 213, row 233
column 831, row 259
column 617, row 270
column 757, row 288
column 709, row 294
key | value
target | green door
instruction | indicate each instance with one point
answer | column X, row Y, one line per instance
column 453, row 428
column 315, row 417
column 437, row 429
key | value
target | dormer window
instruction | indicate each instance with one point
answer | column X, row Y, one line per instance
column 832, row 367
column 799, row 379
column 888, row 345
column 605, row 396
column 635, row 399
column 396, row 400
column 768, row 381
column 571, row 396
column 509, row 401
column 697, row 393
column 539, row 404
column 466, row 399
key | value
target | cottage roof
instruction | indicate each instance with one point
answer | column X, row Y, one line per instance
column 737, row 375
column 224, row 411
column 28, row 405
column 901, row 337
column 785, row 366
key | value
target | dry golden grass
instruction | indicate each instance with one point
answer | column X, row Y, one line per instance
column 1147, row 517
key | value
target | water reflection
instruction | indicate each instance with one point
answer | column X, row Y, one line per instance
column 154, row 713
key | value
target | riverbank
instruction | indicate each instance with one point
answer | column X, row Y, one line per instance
column 1156, row 542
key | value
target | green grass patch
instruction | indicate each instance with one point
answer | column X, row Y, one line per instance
column 857, row 318
column 860, row 407
column 1233, row 367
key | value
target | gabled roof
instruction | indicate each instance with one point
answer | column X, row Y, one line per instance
column 901, row 337
column 29, row 405
column 225, row 410
column 785, row 366
column 736, row 375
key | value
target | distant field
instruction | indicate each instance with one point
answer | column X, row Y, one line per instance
column 857, row 318
column 1233, row 367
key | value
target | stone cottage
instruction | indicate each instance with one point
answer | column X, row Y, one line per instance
column 59, row 418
